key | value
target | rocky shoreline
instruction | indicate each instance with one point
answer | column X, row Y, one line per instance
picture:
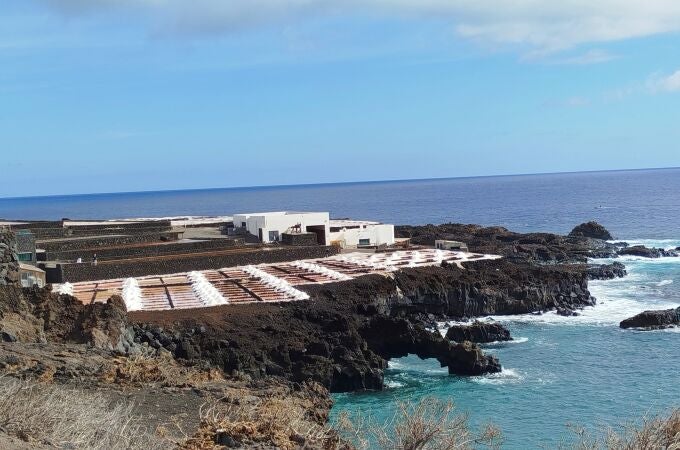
column 341, row 339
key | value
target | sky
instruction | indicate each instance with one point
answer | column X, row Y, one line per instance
column 132, row 95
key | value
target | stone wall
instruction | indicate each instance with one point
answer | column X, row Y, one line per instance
column 144, row 250
column 299, row 239
column 107, row 241
column 9, row 266
column 184, row 263
column 26, row 244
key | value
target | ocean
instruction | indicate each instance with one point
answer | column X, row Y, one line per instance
column 580, row 371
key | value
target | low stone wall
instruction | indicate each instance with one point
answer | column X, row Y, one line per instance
column 9, row 266
column 38, row 224
column 153, row 224
column 299, row 239
column 88, row 272
column 104, row 254
column 107, row 241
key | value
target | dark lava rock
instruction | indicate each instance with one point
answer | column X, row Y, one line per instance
column 606, row 271
column 566, row 312
column 653, row 320
column 531, row 247
column 644, row 252
column 591, row 230
column 479, row 332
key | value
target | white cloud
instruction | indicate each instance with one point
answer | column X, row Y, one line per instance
column 594, row 56
column 668, row 83
column 543, row 25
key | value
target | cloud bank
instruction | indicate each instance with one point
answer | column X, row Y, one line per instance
column 543, row 25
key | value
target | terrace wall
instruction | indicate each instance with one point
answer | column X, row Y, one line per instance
column 184, row 263
column 143, row 250
column 108, row 241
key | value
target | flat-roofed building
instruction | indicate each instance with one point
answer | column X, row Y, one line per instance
column 269, row 226
column 348, row 233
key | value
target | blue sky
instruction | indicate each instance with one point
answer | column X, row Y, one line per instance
column 126, row 95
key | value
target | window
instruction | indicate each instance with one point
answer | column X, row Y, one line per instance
column 243, row 224
column 25, row 256
column 364, row 242
column 273, row 236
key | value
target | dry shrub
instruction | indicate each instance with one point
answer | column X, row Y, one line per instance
column 653, row 434
column 69, row 418
column 282, row 422
column 428, row 424
column 161, row 369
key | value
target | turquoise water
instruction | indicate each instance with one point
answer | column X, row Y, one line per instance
column 583, row 371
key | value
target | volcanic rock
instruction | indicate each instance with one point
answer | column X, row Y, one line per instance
column 591, row 230
column 606, row 271
column 644, row 252
column 653, row 320
column 479, row 332
column 530, row 247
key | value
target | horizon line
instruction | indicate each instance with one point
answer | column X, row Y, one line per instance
column 336, row 183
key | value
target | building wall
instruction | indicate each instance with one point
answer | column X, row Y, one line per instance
column 280, row 222
column 382, row 234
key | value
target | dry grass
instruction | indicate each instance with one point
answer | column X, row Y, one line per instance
column 161, row 369
column 653, row 434
column 282, row 422
column 429, row 424
column 69, row 418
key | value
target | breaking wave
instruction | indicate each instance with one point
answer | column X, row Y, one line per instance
column 505, row 376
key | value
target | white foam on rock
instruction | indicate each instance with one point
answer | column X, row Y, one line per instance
column 205, row 291
column 276, row 283
column 132, row 295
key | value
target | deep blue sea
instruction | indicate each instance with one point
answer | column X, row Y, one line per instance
column 582, row 370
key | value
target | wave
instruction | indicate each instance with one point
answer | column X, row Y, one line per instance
column 605, row 313
column 518, row 340
column 392, row 384
column 667, row 244
column 505, row 376
column 664, row 283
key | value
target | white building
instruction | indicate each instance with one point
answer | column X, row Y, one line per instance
column 359, row 233
column 269, row 226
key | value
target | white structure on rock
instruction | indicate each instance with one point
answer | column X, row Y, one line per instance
column 360, row 233
column 269, row 226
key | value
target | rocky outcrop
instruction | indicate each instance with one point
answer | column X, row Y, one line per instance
column 490, row 288
column 393, row 337
column 9, row 266
column 645, row 252
column 529, row 247
column 342, row 338
column 479, row 332
column 653, row 320
column 606, row 271
column 592, row 230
